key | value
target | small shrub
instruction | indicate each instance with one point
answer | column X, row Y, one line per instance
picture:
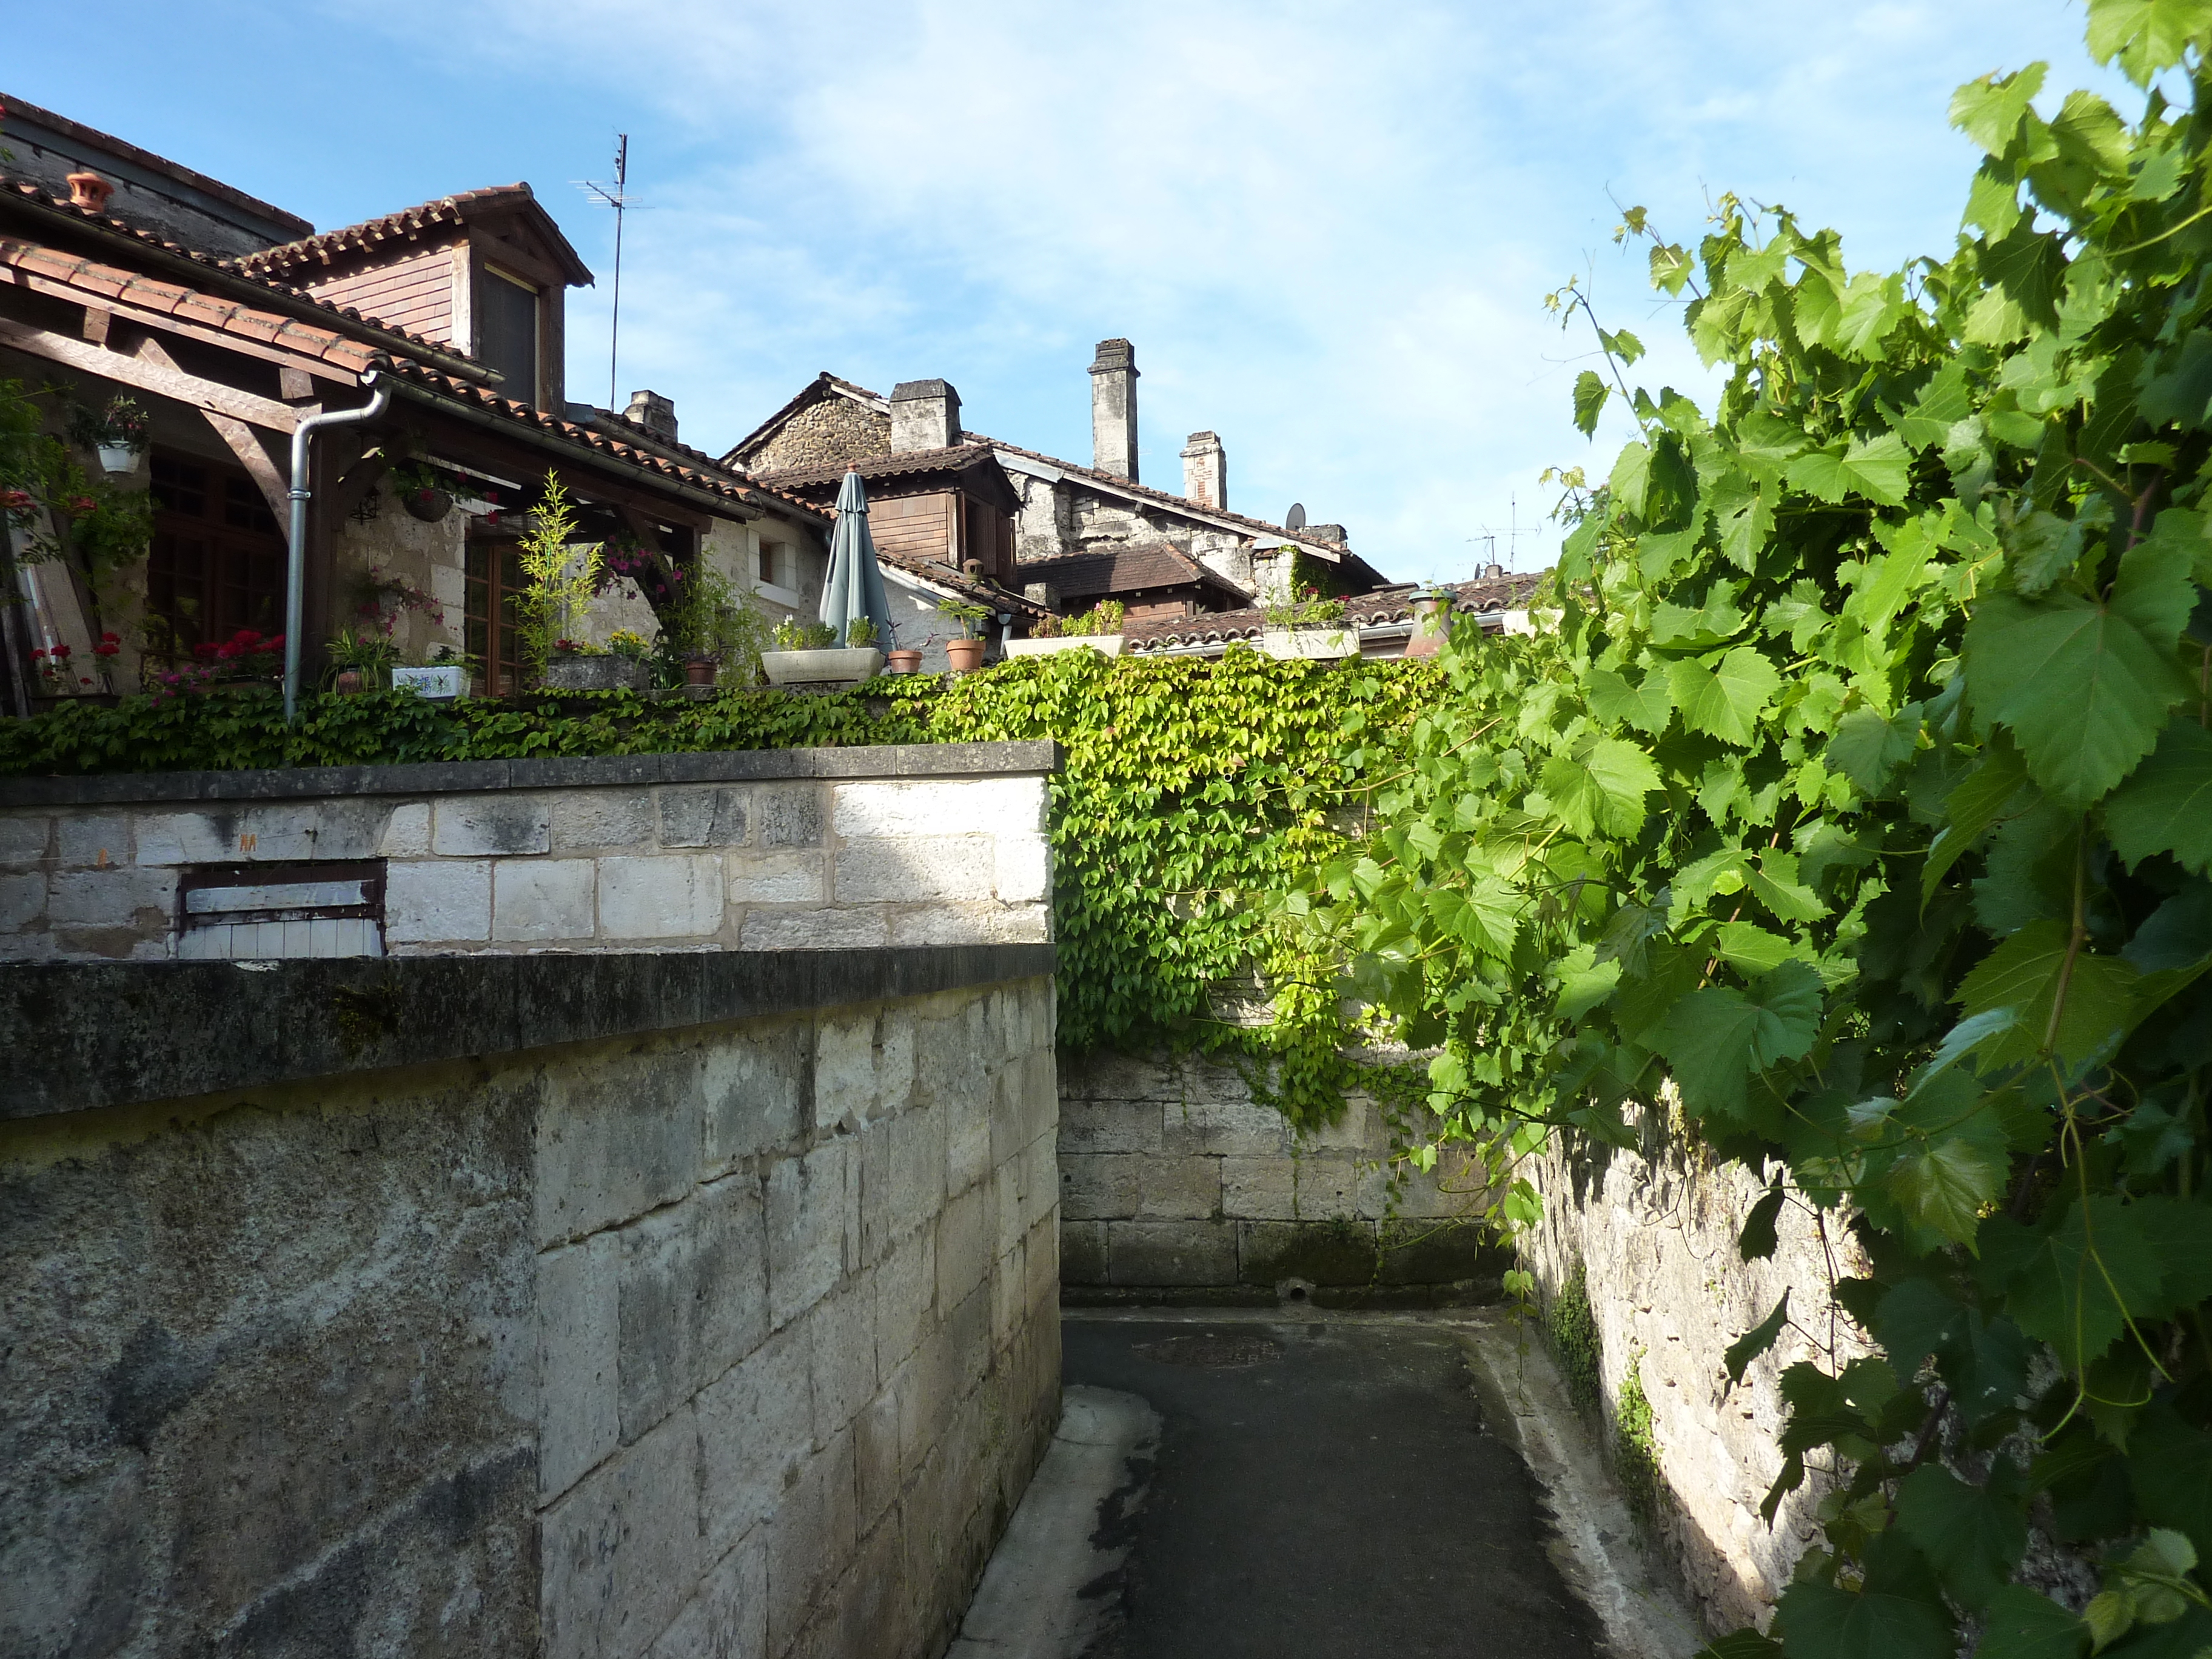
column 1635, row 1449
column 1575, row 1340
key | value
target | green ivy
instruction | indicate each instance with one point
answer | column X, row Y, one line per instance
column 1857, row 797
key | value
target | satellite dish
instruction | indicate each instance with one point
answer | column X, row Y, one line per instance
column 1295, row 517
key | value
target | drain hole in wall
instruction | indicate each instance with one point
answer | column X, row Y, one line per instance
column 1294, row 1292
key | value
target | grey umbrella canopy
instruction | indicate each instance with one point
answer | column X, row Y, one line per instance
column 854, row 586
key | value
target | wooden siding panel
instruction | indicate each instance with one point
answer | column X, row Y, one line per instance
column 913, row 527
column 415, row 292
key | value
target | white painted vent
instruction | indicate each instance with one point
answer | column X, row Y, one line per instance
column 267, row 912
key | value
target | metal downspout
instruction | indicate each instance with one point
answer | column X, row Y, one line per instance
column 295, row 563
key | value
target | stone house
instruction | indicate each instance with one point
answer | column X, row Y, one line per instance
column 231, row 331
column 1066, row 509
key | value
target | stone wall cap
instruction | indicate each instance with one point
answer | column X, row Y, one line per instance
column 935, row 760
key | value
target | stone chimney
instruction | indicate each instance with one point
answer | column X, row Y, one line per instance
column 925, row 415
column 1206, row 471
column 1114, row 409
column 1331, row 534
column 655, row 413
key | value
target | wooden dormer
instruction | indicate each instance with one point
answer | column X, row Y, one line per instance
column 486, row 272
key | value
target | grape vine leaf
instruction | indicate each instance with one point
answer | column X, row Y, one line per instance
column 2076, row 1283
column 2020, row 1623
column 1590, row 393
column 1988, row 110
column 1715, row 1037
column 1600, row 785
column 1942, row 1185
column 1877, row 468
column 2025, row 973
column 1820, row 1621
column 2165, row 806
column 1724, row 701
column 2170, row 1461
column 2085, row 687
column 1974, row 1536
column 1868, row 745
column 1644, row 705
column 2146, row 35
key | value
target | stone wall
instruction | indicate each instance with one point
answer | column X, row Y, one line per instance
column 361, row 1327
column 1174, row 1182
column 1654, row 1232
column 832, row 428
column 927, row 844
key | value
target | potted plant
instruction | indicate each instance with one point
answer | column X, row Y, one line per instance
column 579, row 665
column 443, row 675
column 420, row 490
column 710, row 628
column 1098, row 628
column 965, row 655
column 118, row 431
column 904, row 660
column 360, row 659
column 1308, row 626
column 62, row 681
column 249, row 660
column 808, row 653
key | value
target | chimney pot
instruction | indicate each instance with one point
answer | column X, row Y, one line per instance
column 1494, row 571
column 90, row 191
column 1206, row 471
column 1331, row 533
column 1114, row 409
column 925, row 415
column 655, row 413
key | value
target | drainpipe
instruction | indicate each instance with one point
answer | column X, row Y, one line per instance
column 295, row 563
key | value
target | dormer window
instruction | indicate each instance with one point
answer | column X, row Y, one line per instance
column 507, row 331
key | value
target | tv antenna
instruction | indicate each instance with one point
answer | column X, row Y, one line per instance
column 616, row 195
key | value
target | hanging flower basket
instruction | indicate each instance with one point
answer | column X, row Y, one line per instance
column 431, row 505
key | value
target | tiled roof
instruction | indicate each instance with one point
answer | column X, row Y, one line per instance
column 266, row 290
column 957, row 459
column 1131, row 569
column 958, row 582
column 410, row 224
column 186, row 305
column 1392, row 605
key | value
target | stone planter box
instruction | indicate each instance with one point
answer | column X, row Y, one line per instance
column 607, row 673
column 813, row 668
column 1107, row 644
column 1309, row 644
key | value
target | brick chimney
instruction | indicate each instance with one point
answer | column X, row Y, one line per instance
column 1206, row 471
column 925, row 415
column 655, row 413
column 1114, row 409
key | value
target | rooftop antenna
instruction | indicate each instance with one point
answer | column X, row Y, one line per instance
column 616, row 196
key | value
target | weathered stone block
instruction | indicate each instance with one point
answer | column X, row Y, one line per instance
column 406, row 832
column 907, row 871
column 845, row 1095
column 963, row 1245
column 1359, row 1130
column 876, row 1458
column 1110, row 1126
column 614, row 1139
column 727, row 1617
column 121, row 895
column 664, row 897
column 1024, row 869
column 810, row 1211
column 776, row 878
column 24, row 837
column 973, row 922
column 95, row 840
column 1235, row 1127
column 756, row 1430
column 906, row 1298
column 811, row 1540
column 437, row 902
column 1340, row 1252
column 814, row 930
column 995, row 807
column 755, row 1081
column 579, row 1330
column 1103, row 1074
column 480, row 826
column 1315, row 1188
column 1430, row 1253
column 844, row 1340
column 789, row 814
column 22, row 901
column 905, row 1186
column 188, row 838
column 1098, row 1186
column 542, row 899
column 702, row 817
column 1168, row 1252
column 621, row 1549
column 694, row 1298
column 587, row 820
column 1008, row 1288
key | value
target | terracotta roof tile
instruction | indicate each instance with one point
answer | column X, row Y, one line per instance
column 1382, row 609
column 957, row 459
column 957, row 581
column 1129, row 568
column 410, row 224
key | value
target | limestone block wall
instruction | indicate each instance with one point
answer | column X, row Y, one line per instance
column 1655, row 1233
column 1173, row 1180
column 729, row 1330
column 774, row 849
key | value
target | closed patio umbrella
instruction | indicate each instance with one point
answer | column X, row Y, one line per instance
column 854, row 586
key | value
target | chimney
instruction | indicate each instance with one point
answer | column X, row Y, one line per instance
column 1114, row 409
column 925, row 415
column 655, row 413
column 1331, row 534
column 1206, row 471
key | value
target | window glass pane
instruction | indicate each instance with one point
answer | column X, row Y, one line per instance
column 506, row 334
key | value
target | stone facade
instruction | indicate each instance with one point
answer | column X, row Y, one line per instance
column 936, row 844
column 736, row 1339
column 829, row 430
column 1654, row 1232
column 1173, row 1180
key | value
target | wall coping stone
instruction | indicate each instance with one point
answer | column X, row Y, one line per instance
column 116, row 1033
column 893, row 761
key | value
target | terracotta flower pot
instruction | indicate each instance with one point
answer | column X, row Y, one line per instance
column 964, row 656
column 700, row 671
column 349, row 682
column 902, row 662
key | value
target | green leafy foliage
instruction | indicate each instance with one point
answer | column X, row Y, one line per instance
column 1911, row 898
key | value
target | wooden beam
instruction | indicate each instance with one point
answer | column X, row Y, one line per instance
column 246, row 445
column 167, row 324
column 96, row 323
column 295, row 385
column 146, row 376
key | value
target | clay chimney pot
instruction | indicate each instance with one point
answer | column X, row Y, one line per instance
column 89, row 191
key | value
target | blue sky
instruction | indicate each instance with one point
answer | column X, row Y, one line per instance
column 1327, row 227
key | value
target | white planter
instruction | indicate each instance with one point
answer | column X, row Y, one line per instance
column 428, row 681
column 119, row 460
column 1310, row 644
column 1107, row 644
column 812, row 667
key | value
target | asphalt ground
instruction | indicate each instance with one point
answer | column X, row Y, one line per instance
column 1324, row 1489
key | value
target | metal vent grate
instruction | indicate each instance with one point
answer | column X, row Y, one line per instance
column 263, row 912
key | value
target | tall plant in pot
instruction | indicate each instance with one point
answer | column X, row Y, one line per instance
column 560, row 578
column 965, row 655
